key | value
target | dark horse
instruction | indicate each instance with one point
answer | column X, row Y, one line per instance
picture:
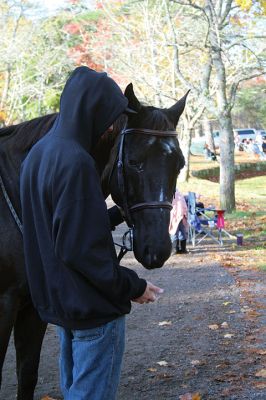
column 142, row 181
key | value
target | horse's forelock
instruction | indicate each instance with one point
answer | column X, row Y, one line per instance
column 154, row 118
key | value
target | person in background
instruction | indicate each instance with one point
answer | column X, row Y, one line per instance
column 256, row 150
column 259, row 144
column 178, row 223
column 209, row 154
column 259, row 141
column 264, row 144
column 237, row 141
column 245, row 145
column 73, row 272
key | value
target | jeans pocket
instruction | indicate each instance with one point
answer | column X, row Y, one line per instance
column 88, row 334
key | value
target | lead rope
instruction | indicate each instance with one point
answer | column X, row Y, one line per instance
column 10, row 206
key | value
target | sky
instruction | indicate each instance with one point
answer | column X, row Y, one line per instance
column 54, row 4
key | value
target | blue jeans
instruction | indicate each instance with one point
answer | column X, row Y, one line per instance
column 181, row 233
column 90, row 361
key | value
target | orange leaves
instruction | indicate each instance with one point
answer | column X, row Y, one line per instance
column 48, row 398
column 2, row 116
column 73, row 28
column 190, row 396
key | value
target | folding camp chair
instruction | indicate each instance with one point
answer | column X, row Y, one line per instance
column 204, row 222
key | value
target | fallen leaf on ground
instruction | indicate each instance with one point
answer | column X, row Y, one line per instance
column 224, row 325
column 164, row 376
column 261, row 352
column 165, row 323
column 190, row 396
column 162, row 363
column 196, row 396
column 48, row 398
column 261, row 373
column 260, row 385
column 152, row 369
column 195, row 362
column 213, row 327
column 228, row 335
column 252, row 314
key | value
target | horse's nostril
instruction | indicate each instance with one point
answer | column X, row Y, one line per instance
column 152, row 261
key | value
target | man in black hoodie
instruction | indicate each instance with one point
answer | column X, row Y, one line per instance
column 74, row 276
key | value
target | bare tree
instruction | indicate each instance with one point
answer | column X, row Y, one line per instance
column 225, row 44
column 33, row 62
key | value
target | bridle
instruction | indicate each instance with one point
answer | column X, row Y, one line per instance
column 122, row 177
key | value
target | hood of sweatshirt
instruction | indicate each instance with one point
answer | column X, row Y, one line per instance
column 89, row 104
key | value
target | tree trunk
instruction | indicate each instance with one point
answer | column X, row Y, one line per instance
column 227, row 181
column 185, row 146
column 208, row 134
column 227, row 172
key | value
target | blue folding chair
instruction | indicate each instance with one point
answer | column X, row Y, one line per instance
column 204, row 222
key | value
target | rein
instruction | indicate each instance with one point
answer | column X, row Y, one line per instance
column 121, row 174
column 10, row 206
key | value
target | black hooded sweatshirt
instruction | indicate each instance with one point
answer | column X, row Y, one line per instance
column 73, row 272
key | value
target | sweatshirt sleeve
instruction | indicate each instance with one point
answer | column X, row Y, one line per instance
column 115, row 217
column 82, row 236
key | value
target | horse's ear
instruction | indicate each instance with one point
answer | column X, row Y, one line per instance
column 132, row 99
column 177, row 109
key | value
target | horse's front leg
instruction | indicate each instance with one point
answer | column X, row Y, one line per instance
column 8, row 309
column 29, row 331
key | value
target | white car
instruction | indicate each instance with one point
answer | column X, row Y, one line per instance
column 246, row 133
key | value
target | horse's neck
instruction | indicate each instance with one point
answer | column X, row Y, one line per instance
column 15, row 142
column 18, row 139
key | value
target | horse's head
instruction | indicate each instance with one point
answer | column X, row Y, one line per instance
column 143, row 179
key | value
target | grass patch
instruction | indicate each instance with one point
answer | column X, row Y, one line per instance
column 200, row 186
column 252, row 190
column 262, row 267
column 244, row 214
column 250, row 216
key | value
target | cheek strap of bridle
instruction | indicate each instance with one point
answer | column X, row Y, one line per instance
column 121, row 181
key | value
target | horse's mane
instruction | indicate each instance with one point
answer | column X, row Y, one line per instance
column 23, row 136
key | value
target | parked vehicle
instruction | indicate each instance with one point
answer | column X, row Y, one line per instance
column 263, row 134
column 246, row 133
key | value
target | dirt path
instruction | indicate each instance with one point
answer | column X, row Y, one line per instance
column 203, row 337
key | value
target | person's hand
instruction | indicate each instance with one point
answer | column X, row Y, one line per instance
column 149, row 295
